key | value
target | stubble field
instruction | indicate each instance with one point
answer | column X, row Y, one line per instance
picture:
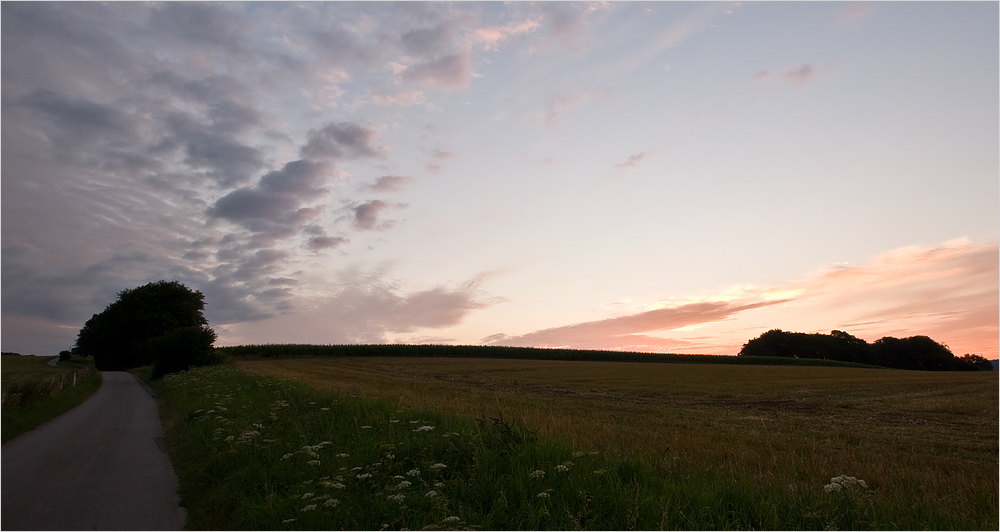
column 927, row 441
column 457, row 443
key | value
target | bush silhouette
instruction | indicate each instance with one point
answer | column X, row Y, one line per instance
column 181, row 349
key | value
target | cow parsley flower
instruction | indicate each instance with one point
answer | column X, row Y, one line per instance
column 413, row 473
column 438, row 465
column 431, row 494
column 451, row 519
column 331, row 502
column 425, row 428
column 309, row 507
column 543, row 495
column 538, row 473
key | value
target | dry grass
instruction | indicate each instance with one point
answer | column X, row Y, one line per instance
column 920, row 438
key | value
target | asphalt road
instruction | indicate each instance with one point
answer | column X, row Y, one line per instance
column 100, row 466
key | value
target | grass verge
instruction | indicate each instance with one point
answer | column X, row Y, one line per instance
column 34, row 392
column 256, row 452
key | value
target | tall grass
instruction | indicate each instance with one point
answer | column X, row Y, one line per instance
column 255, row 452
column 34, row 392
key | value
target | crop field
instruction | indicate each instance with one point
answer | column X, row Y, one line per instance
column 690, row 446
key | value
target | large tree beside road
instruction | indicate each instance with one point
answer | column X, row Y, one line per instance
column 160, row 323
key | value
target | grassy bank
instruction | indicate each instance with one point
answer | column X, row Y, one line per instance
column 256, row 452
column 35, row 392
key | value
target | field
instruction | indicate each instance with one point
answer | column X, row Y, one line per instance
column 34, row 392
column 708, row 446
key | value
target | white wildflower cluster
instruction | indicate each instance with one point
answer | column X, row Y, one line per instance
column 538, row 473
column 413, row 473
column 309, row 507
column 439, row 465
column 562, row 468
column 343, row 455
column 451, row 519
column 543, row 495
column 844, row 482
column 425, row 428
column 403, row 485
column 399, row 497
column 364, row 475
column 431, row 494
column 331, row 502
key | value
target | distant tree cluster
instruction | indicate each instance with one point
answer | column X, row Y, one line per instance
column 915, row 352
column 159, row 323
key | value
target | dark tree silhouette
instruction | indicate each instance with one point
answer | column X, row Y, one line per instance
column 915, row 352
column 119, row 337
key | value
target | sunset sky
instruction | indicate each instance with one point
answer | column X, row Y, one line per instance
column 671, row 177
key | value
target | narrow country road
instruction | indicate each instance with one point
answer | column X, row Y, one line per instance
column 100, row 466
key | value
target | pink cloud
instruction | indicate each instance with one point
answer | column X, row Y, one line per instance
column 390, row 183
column 622, row 332
column 948, row 292
column 492, row 37
column 449, row 72
column 635, row 159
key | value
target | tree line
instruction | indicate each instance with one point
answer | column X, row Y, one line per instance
column 914, row 352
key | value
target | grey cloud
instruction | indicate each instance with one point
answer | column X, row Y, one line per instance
column 251, row 203
column 366, row 214
column 276, row 197
column 428, row 41
column 81, row 118
column 324, row 242
column 800, row 75
column 342, row 140
column 448, row 73
column 229, row 161
column 202, row 24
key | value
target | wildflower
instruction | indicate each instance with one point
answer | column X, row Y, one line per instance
column 397, row 497
column 431, row 494
column 337, row 486
column 562, row 468
column 367, row 427
column 390, row 456
column 309, row 507
column 843, row 482
column 543, row 495
column 403, row 485
column 413, row 473
column 365, row 475
column 287, row 456
column 538, row 473
column 438, row 465
column 324, row 408
column 308, row 495
column 425, row 428
column 343, row 455
column 451, row 519
column 288, row 521
column 331, row 502
column 230, row 438
column 313, row 462
column 439, row 484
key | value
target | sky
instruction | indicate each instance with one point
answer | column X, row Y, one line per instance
column 663, row 177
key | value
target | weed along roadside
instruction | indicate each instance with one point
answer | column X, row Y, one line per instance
column 34, row 391
column 258, row 452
